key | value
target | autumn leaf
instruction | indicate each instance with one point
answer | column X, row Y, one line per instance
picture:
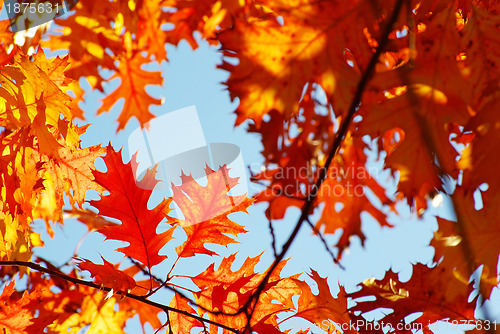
column 127, row 202
column 134, row 80
column 21, row 171
column 419, row 102
column 481, row 239
column 206, row 211
column 322, row 306
column 54, row 68
column 37, row 102
column 149, row 315
column 414, row 155
column 17, row 240
column 108, row 275
column 73, row 170
column 88, row 217
column 276, row 60
column 97, row 313
column 428, row 112
column 86, row 35
column 224, row 289
column 344, row 194
column 432, row 291
column 481, row 68
column 151, row 36
column 348, row 179
column 207, row 18
column 227, row 291
column 16, row 315
column 179, row 322
column 476, row 162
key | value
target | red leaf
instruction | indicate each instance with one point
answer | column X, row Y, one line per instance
column 108, row 275
column 127, row 202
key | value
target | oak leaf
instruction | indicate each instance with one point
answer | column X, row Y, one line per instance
column 148, row 314
column 277, row 57
column 227, row 291
column 481, row 237
column 296, row 155
column 73, row 170
column 54, row 68
column 323, row 306
column 419, row 102
column 29, row 97
column 16, row 316
column 21, row 173
column 344, row 194
column 432, row 291
column 206, row 211
column 127, row 202
column 134, row 80
column 92, row 220
column 476, row 161
column 97, row 313
column 179, row 322
column 482, row 69
column 88, row 35
column 108, row 275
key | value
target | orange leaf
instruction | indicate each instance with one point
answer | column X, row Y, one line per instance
column 179, row 322
column 481, row 235
column 16, row 315
column 228, row 291
column 218, row 285
column 277, row 59
column 433, row 291
column 206, row 209
column 74, row 169
column 322, row 306
column 344, row 194
column 54, row 68
column 133, row 89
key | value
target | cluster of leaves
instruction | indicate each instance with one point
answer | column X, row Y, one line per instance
column 422, row 78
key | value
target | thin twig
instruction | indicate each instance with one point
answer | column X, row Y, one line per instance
column 323, row 240
column 142, row 299
column 271, row 229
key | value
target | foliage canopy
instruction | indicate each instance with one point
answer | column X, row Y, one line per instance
column 420, row 79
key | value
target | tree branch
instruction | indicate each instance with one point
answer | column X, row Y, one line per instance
column 142, row 299
column 339, row 137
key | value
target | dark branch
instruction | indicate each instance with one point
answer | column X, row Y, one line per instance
column 271, row 229
column 344, row 127
column 142, row 299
